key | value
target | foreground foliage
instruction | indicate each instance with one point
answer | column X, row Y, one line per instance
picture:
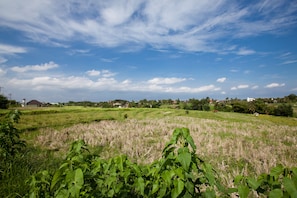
column 280, row 182
column 10, row 142
column 179, row 173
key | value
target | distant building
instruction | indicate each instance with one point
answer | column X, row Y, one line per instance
column 23, row 102
column 250, row 99
column 34, row 103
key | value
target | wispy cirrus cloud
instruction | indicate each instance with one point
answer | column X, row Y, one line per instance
column 2, row 60
column 164, row 24
column 10, row 49
column 244, row 51
column 289, row 62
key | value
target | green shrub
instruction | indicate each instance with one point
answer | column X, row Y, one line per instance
column 179, row 173
column 3, row 102
column 284, row 110
column 280, row 182
column 10, row 142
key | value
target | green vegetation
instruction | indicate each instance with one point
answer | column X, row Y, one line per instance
column 179, row 173
column 235, row 144
column 3, row 102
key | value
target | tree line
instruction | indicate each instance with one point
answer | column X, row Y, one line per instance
column 271, row 106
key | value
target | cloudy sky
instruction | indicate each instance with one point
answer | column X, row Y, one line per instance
column 60, row 50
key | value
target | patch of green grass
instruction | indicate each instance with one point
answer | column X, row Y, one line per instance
column 13, row 181
column 279, row 120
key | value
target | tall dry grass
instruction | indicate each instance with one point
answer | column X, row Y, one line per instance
column 231, row 147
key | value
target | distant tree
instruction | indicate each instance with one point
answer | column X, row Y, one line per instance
column 105, row 105
column 133, row 104
column 13, row 103
column 205, row 107
column 3, row 102
column 194, row 104
column 260, row 106
column 292, row 97
column 240, row 107
column 283, row 110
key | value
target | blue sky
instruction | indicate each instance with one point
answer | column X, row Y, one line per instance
column 57, row 51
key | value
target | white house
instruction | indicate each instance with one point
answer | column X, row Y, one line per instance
column 250, row 99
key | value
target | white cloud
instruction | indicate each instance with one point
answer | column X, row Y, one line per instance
column 244, row 51
column 103, row 73
column 41, row 67
column 166, row 81
column 187, row 25
column 274, row 85
column 2, row 60
column 190, row 89
column 65, row 83
column 93, row 72
column 255, row 87
column 240, row 87
column 221, row 80
column 79, row 52
column 10, row 49
column 289, row 62
column 107, row 73
column 108, row 60
column 2, row 72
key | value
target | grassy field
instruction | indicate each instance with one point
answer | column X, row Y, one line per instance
column 233, row 143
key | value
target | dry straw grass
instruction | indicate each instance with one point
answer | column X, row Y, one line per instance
column 231, row 147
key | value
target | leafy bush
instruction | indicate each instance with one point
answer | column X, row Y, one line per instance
column 179, row 173
column 10, row 142
column 280, row 182
column 3, row 102
column 10, row 147
column 283, row 110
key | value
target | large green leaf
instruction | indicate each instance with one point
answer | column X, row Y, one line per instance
column 184, row 157
column 178, row 188
column 209, row 174
column 167, row 176
column 75, row 181
column 276, row 193
column 190, row 187
column 290, row 186
column 155, row 187
column 209, row 193
column 63, row 193
column 276, row 171
column 238, row 179
column 56, row 178
column 140, row 185
column 243, row 191
column 253, row 183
